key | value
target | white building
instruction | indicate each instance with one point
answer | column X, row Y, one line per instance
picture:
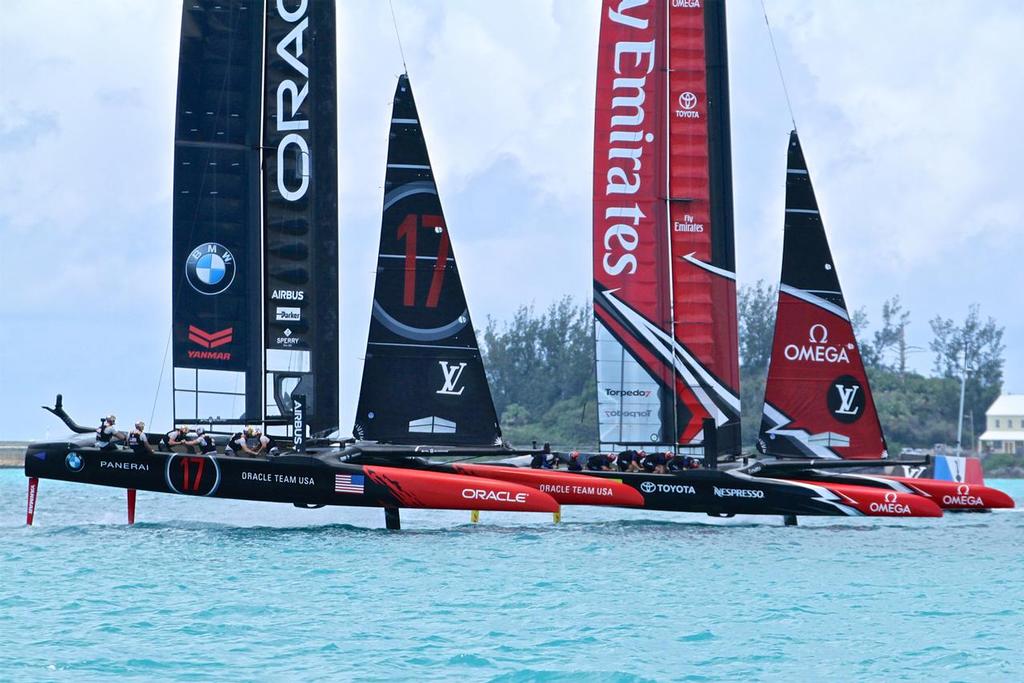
column 1004, row 425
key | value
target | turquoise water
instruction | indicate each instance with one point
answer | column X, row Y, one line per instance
column 208, row 590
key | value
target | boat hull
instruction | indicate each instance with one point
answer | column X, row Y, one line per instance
column 311, row 481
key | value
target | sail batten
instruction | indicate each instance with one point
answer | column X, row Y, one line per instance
column 423, row 377
column 818, row 401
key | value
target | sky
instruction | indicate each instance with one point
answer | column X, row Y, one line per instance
column 908, row 113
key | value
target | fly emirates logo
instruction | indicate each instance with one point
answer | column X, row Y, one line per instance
column 629, row 144
column 818, row 349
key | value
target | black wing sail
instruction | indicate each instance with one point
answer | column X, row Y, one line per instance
column 300, row 194
column 216, row 214
column 423, row 378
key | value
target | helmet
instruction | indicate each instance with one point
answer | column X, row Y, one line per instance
column 111, row 418
column 140, row 425
column 183, row 428
column 200, row 431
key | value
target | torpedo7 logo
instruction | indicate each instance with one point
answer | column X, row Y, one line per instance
column 452, row 374
column 210, row 340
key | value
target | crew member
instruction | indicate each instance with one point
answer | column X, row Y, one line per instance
column 623, row 459
column 204, row 442
column 540, row 457
column 574, row 462
column 138, row 441
column 107, row 434
column 264, row 445
column 660, row 460
column 676, row 463
column 238, row 444
column 177, row 437
column 599, row 461
column 635, row 461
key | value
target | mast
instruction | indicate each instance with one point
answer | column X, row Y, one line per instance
column 423, row 378
column 818, row 401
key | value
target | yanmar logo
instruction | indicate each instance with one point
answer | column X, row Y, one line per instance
column 500, row 496
column 817, row 349
column 963, row 498
column 210, row 340
column 891, row 506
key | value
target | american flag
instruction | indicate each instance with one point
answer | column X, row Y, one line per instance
column 348, row 483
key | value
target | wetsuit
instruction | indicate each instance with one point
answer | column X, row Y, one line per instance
column 138, row 443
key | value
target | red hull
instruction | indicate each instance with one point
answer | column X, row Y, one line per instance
column 440, row 490
column 951, row 495
column 565, row 487
column 875, row 502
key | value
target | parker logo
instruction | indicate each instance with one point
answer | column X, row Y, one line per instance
column 285, row 314
column 846, row 399
column 817, row 349
column 451, row 373
column 210, row 340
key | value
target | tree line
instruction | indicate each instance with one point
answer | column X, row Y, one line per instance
column 541, row 370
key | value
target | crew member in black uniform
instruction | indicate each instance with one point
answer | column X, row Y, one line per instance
column 107, row 434
column 137, row 440
column 623, row 459
column 204, row 442
column 598, row 461
column 238, row 444
column 177, row 437
column 574, row 462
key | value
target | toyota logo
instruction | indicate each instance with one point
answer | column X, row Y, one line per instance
column 687, row 100
column 963, row 489
column 890, row 497
column 648, row 487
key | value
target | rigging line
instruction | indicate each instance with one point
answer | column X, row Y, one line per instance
column 394, row 20
column 778, row 64
column 160, row 381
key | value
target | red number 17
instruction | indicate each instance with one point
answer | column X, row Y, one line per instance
column 407, row 230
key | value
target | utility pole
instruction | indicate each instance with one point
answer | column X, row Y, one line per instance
column 960, row 415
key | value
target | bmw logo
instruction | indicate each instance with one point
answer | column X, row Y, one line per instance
column 210, row 268
column 74, row 462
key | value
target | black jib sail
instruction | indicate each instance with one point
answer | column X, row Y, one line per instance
column 423, row 379
column 255, row 256
column 817, row 400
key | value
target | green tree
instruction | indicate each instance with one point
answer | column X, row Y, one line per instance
column 975, row 347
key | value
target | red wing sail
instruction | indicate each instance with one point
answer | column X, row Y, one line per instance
column 665, row 296
column 817, row 401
